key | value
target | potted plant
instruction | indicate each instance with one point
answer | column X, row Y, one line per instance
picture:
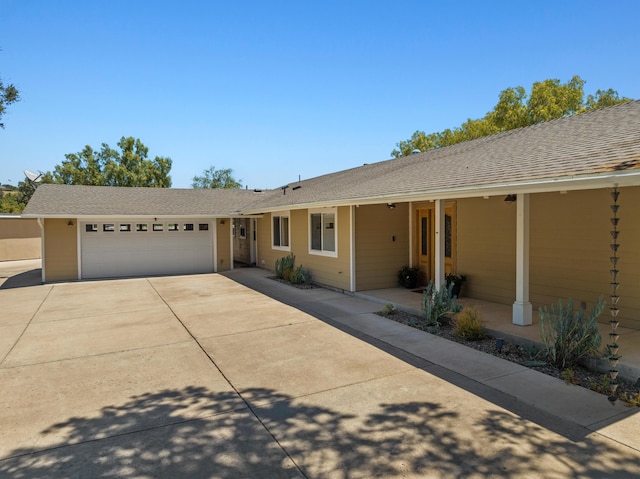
column 409, row 277
column 457, row 280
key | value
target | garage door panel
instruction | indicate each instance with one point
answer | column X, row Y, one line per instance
column 139, row 253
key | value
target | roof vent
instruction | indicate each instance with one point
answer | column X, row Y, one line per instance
column 413, row 152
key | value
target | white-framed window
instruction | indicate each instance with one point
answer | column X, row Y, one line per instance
column 158, row 227
column 280, row 233
column 108, row 227
column 243, row 231
column 188, row 227
column 125, row 227
column 141, row 227
column 91, row 227
column 323, row 232
column 203, row 226
column 173, row 227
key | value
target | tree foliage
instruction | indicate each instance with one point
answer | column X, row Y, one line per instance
column 129, row 166
column 548, row 100
column 8, row 94
column 10, row 202
column 214, row 179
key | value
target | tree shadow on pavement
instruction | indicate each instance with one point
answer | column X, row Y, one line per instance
column 184, row 433
column 21, row 280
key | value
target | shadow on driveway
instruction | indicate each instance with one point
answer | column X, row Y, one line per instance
column 413, row 439
column 21, row 280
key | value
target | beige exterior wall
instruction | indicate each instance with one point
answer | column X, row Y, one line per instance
column 223, row 239
column 20, row 238
column 60, row 260
column 382, row 245
column 569, row 249
column 327, row 270
column 486, row 248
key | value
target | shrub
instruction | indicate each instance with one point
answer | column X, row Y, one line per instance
column 388, row 309
column 436, row 304
column 569, row 336
column 468, row 325
column 284, row 266
column 300, row 276
column 409, row 277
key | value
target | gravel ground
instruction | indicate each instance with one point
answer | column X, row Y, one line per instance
column 528, row 356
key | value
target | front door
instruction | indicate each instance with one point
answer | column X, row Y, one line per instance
column 425, row 240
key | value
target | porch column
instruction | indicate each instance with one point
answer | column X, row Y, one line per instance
column 439, row 249
column 522, row 309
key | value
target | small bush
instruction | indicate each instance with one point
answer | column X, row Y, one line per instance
column 468, row 325
column 300, row 276
column 569, row 336
column 284, row 266
column 409, row 277
column 388, row 309
column 436, row 304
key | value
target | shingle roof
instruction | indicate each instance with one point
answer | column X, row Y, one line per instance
column 591, row 143
column 73, row 200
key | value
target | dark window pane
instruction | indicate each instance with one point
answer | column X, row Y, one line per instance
column 447, row 236
column 424, row 235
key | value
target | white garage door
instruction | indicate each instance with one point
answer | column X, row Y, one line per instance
column 140, row 248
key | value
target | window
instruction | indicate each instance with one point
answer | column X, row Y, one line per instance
column 141, row 227
column 203, row 227
column 91, row 228
column 323, row 232
column 126, row 227
column 158, row 227
column 281, row 232
column 108, row 227
column 424, row 245
column 243, row 231
column 188, row 227
column 447, row 236
column 173, row 227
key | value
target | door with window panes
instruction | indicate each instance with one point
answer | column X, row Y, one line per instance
column 425, row 240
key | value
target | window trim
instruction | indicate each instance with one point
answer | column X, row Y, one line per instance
column 322, row 212
column 282, row 214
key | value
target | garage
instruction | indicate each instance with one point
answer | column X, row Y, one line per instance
column 121, row 248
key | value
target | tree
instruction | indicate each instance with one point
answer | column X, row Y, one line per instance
column 10, row 202
column 214, row 179
column 548, row 100
column 109, row 167
column 8, row 94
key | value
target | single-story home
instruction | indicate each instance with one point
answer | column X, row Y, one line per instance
column 524, row 214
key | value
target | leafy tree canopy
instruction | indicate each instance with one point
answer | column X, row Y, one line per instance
column 8, row 94
column 109, row 167
column 10, row 202
column 213, row 179
column 547, row 100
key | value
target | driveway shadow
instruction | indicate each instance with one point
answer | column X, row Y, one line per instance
column 21, row 280
column 291, row 437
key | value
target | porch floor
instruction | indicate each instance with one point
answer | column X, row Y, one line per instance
column 497, row 318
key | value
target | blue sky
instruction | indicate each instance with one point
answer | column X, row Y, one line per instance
column 281, row 89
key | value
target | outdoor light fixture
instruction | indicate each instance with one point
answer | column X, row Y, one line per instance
column 510, row 198
column 391, row 205
column 221, row 222
column 70, row 223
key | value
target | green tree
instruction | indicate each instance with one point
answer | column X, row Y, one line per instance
column 8, row 94
column 548, row 100
column 214, row 179
column 11, row 202
column 109, row 167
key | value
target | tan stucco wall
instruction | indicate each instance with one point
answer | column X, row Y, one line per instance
column 20, row 238
column 382, row 245
column 60, row 260
column 223, row 240
column 331, row 271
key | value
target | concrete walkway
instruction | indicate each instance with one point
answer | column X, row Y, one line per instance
column 202, row 376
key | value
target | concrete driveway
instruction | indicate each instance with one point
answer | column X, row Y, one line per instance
column 200, row 376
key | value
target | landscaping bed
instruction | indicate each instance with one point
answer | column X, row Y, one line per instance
column 528, row 356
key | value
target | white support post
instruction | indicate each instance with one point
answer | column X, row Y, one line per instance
column 439, row 249
column 352, row 248
column 522, row 309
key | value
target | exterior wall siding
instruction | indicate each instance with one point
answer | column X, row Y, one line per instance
column 334, row 272
column 20, row 238
column 382, row 245
column 60, row 262
column 223, row 239
column 486, row 248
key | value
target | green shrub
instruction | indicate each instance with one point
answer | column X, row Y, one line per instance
column 436, row 304
column 284, row 266
column 409, row 277
column 569, row 336
column 300, row 276
column 468, row 325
